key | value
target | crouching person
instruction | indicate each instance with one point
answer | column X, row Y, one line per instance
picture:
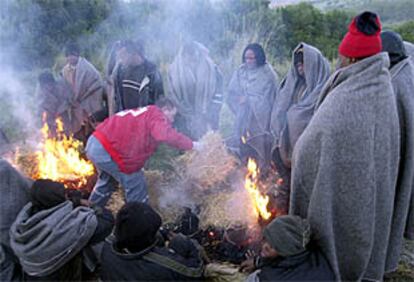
column 135, row 253
column 51, row 232
column 287, row 254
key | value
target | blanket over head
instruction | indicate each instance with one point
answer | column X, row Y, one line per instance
column 345, row 167
column 291, row 114
column 87, row 93
column 195, row 81
column 48, row 239
column 258, row 88
column 409, row 47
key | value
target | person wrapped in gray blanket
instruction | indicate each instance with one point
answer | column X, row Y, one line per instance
column 409, row 47
column 402, row 78
column 196, row 85
column 87, row 87
column 54, row 96
column 51, row 231
column 14, row 191
column 345, row 164
column 293, row 108
column 250, row 97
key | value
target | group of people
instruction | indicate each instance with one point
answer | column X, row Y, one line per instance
column 343, row 144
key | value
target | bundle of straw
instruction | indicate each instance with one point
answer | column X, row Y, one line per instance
column 208, row 167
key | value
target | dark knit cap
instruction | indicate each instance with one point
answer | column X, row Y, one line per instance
column 394, row 45
column 288, row 235
column 363, row 37
column 136, row 226
column 46, row 194
column 72, row 48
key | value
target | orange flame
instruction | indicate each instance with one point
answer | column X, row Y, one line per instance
column 59, row 158
column 260, row 202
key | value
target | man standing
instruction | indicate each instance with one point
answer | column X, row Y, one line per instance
column 293, row 108
column 345, row 164
column 54, row 101
column 137, row 81
column 197, row 88
column 121, row 144
column 402, row 75
column 87, row 87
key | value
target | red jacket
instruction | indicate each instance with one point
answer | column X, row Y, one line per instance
column 132, row 136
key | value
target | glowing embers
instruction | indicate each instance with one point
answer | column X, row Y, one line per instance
column 251, row 184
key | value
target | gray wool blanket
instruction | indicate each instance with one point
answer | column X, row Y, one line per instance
column 409, row 47
column 257, row 88
column 290, row 116
column 195, row 81
column 345, row 168
column 14, row 194
column 402, row 76
column 14, row 191
column 87, row 93
column 48, row 239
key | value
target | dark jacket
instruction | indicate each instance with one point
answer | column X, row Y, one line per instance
column 307, row 266
column 152, row 264
column 137, row 86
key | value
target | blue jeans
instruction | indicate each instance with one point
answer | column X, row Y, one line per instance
column 134, row 184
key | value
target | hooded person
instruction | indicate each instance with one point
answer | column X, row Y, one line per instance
column 288, row 254
column 409, row 47
column 402, row 78
column 293, row 109
column 196, row 85
column 14, row 189
column 50, row 232
column 54, row 100
column 111, row 66
column 345, row 164
column 251, row 93
column 137, row 81
column 87, row 87
column 134, row 252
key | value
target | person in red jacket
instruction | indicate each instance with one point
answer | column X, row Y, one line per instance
column 122, row 143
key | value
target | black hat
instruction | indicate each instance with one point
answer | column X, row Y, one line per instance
column 288, row 235
column 136, row 226
column 394, row 45
column 46, row 194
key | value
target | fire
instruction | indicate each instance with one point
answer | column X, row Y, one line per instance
column 250, row 183
column 59, row 158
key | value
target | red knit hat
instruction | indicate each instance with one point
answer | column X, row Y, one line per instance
column 363, row 38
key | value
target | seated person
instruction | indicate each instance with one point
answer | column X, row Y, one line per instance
column 14, row 190
column 286, row 254
column 134, row 252
column 51, row 231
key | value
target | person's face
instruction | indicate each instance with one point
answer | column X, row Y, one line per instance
column 250, row 59
column 169, row 113
column 72, row 59
column 267, row 251
column 123, row 56
column 300, row 68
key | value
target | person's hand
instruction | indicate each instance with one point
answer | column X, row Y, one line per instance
column 249, row 264
column 198, row 146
